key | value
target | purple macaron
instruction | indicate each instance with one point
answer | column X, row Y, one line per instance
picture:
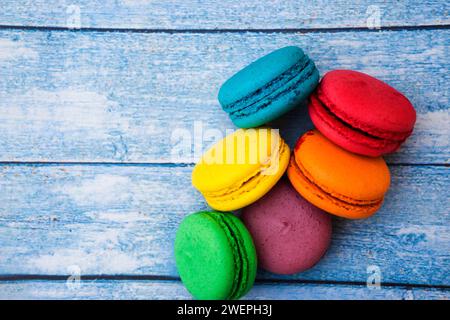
column 290, row 234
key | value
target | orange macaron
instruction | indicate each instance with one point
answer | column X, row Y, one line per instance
column 338, row 181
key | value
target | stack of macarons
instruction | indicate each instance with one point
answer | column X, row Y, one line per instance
column 285, row 224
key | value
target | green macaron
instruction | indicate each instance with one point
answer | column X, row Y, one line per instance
column 215, row 256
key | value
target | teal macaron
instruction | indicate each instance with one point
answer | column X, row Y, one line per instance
column 215, row 256
column 269, row 87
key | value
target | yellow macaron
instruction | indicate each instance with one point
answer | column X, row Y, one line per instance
column 241, row 168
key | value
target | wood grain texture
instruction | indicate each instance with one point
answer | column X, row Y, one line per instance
column 131, row 96
column 113, row 220
column 110, row 290
column 216, row 14
column 118, row 97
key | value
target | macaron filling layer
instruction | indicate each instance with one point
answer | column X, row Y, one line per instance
column 357, row 136
column 247, row 185
column 240, row 259
column 321, row 191
column 262, row 97
column 356, row 125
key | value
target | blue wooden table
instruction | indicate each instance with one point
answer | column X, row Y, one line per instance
column 91, row 93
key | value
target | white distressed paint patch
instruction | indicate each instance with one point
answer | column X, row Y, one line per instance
column 105, row 250
column 105, row 190
column 70, row 106
column 137, row 2
column 102, row 190
column 68, row 110
column 122, row 217
column 182, row 100
column 106, row 256
column 434, row 53
column 346, row 43
column 432, row 129
column 11, row 50
column 104, row 259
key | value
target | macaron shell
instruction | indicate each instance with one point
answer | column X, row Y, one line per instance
column 259, row 73
column 368, row 104
column 234, row 158
column 340, row 171
column 253, row 189
column 204, row 257
column 324, row 200
column 250, row 267
column 290, row 234
column 255, row 166
column 281, row 104
column 268, row 87
column 335, row 180
column 346, row 137
column 215, row 255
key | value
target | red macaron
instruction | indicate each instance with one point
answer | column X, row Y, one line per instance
column 361, row 113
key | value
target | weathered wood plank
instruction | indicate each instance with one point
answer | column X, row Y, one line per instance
column 118, row 97
column 116, row 290
column 122, row 220
column 213, row 14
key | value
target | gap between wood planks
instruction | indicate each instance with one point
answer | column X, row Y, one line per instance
column 166, row 164
column 21, row 277
column 231, row 30
column 31, row 277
